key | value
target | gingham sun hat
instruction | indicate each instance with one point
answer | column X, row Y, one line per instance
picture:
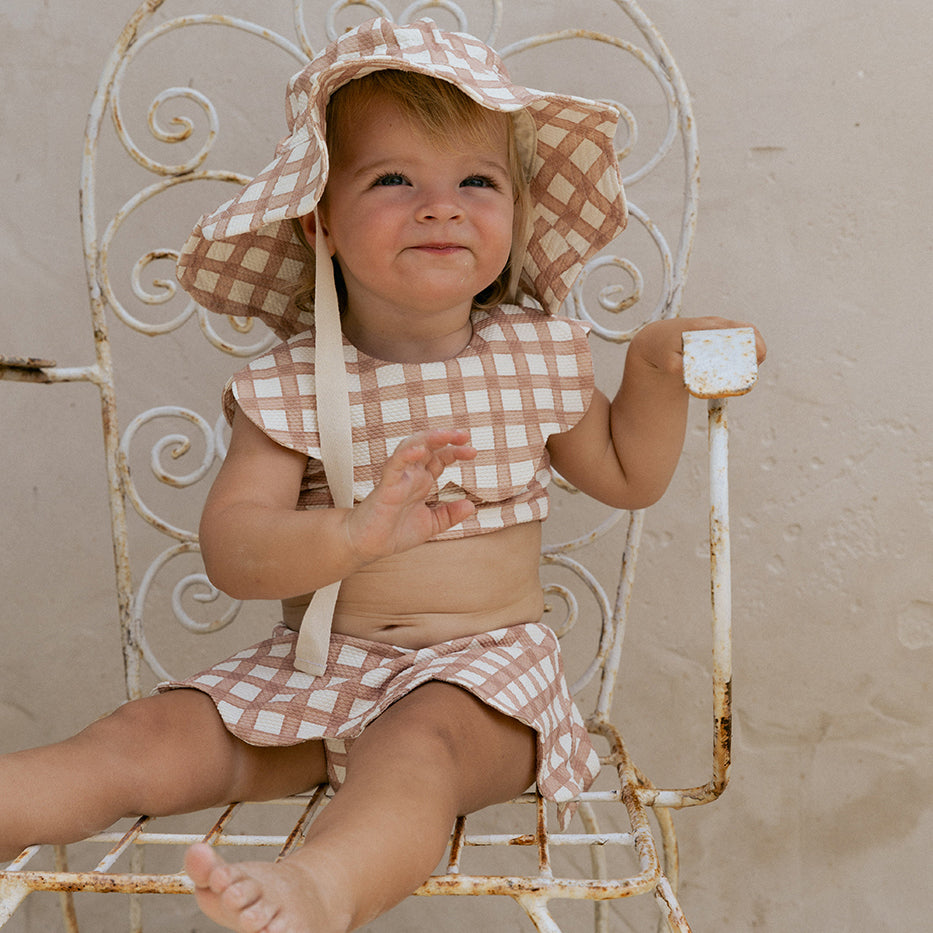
column 245, row 258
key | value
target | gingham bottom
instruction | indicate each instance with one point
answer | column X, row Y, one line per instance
column 516, row 670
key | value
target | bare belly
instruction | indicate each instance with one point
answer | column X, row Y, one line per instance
column 441, row 590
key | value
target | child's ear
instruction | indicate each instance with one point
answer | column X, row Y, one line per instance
column 308, row 224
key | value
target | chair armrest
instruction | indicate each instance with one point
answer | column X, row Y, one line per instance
column 720, row 363
column 24, row 369
column 31, row 369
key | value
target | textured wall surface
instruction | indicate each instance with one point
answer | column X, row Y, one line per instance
column 815, row 223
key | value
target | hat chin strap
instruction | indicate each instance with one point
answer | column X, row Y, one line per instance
column 333, row 413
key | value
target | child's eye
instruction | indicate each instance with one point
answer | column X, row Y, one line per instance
column 390, row 178
column 479, row 181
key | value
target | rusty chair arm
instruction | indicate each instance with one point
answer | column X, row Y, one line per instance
column 717, row 365
column 32, row 369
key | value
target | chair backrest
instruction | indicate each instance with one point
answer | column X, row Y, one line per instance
column 189, row 104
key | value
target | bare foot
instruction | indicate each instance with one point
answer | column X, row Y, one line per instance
column 259, row 897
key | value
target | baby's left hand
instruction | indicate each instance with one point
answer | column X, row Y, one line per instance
column 395, row 516
column 659, row 344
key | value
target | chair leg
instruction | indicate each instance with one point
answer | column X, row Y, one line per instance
column 598, row 867
column 671, row 915
column 137, row 865
column 539, row 914
column 671, row 855
column 66, row 898
column 12, row 894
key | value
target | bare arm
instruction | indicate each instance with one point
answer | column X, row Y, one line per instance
column 256, row 545
column 624, row 453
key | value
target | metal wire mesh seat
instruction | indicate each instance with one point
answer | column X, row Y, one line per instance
column 165, row 602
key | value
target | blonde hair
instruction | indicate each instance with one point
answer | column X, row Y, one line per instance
column 444, row 112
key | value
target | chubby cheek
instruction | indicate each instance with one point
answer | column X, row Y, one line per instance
column 499, row 230
column 500, row 255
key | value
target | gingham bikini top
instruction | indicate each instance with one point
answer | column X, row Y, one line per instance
column 523, row 377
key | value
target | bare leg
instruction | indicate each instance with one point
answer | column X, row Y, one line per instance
column 437, row 753
column 164, row 754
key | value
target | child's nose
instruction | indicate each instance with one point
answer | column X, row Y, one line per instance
column 440, row 205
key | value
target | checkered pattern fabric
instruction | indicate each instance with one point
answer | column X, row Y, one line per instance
column 523, row 377
column 245, row 258
column 516, row 670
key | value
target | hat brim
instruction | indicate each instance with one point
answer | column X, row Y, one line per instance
column 246, row 257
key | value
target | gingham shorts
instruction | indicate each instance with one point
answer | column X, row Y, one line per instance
column 516, row 670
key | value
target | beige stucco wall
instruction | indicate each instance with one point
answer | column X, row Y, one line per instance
column 815, row 222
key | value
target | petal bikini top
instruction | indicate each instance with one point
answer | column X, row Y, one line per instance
column 523, row 376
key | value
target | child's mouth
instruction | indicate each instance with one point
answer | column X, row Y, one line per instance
column 440, row 248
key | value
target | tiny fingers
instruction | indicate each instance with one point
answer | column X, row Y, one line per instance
column 442, row 446
column 447, row 455
column 439, row 439
column 761, row 348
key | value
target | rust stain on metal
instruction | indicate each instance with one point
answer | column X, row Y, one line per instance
column 720, row 363
column 25, row 369
column 457, row 840
column 297, row 836
column 541, row 834
column 722, row 748
column 25, row 362
column 117, row 883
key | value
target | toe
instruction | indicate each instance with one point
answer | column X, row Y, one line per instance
column 200, row 862
column 238, row 891
column 257, row 917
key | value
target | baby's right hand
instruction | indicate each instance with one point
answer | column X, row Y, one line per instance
column 394, row 516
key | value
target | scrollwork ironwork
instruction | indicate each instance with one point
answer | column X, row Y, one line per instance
column 178, row 129
column 177, row 93
column 176, row 446
column 606, row 616
column 207, row 593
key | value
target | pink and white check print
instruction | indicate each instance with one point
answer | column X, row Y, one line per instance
column 523, row 377
column 516, row 670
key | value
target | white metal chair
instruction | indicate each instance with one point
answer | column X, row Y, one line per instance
column 153, row 546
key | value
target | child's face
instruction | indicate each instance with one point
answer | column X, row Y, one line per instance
column 416, row 227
